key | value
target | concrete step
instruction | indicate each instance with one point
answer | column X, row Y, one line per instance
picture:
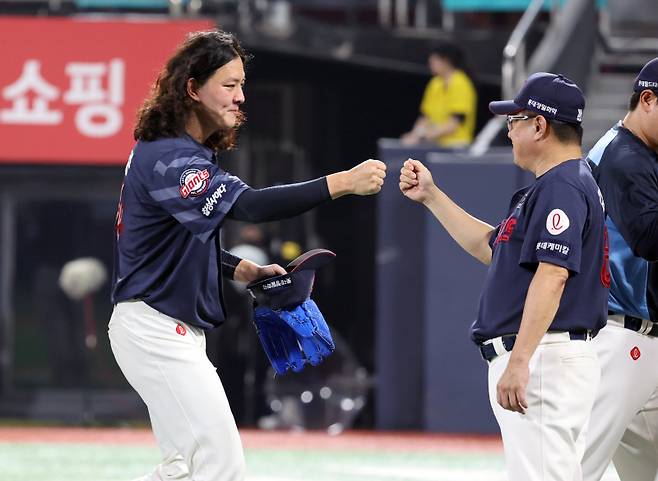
column 611, row 82
column 594, row 112
column 627, row 63
column 605, row 100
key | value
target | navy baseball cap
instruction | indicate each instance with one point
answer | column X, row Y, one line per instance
column 293, row 288
column 553, row 96
column 648, row 77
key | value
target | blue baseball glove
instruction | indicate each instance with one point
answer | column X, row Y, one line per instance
column 290, row 327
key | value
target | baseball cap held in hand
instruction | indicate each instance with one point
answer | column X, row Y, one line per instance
column 291, row 289
column 553, row 96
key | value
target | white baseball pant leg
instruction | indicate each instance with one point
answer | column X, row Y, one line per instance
column 627, row 383
column 547, row 442
column 189, row 411
column 636, row 458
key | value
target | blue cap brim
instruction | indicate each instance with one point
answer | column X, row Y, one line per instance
column 504, row 107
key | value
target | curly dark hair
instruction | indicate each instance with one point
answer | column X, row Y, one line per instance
column 166, row 109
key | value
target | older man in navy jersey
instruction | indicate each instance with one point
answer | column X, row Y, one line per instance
column 544, row 294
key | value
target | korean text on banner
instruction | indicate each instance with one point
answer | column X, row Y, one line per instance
column 70, row 88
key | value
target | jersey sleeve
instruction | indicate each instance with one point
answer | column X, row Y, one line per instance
column 195, row 191
column 494, row 235
column 229, row 263
column 630, row 190
column 554, row 232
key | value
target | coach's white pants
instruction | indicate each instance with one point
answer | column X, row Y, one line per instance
column 547, row 442
column 624, row 423
column 190, row 414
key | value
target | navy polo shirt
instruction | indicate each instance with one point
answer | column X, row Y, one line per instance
column 167, row 253
column 627, row 173
column 560, row 220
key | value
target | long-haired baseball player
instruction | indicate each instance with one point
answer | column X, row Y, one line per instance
column 545, row 290
column 624, row 423
column 167, row 283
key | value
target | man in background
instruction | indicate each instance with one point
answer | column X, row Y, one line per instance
column 448, row 107
column 624, row 423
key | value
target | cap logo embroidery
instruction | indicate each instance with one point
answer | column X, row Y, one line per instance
column 579, row 117
column 277, row 283
column 542, row 107
column 647, row 84
column 557, row 222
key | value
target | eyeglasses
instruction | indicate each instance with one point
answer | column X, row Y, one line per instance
column 512, row 118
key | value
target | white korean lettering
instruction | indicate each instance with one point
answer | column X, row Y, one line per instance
column 86, row 89
column 30, row 95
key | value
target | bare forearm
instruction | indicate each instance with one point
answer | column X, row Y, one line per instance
column 469, row 232
column 339, row 184
column 436, row 131
column 420, row 125
column 541, row 305
column 365, row 178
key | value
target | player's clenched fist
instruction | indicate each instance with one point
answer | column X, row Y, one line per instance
column 416, row 181
column 368, row 177
column 364, row 179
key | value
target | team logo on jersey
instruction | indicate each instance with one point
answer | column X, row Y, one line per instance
column 557, row 222
column 212, row 200
column 180, row 329
column 635, row 353
column 193, row 182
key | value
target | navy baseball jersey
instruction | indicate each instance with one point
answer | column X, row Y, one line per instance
column 627, row 173
column 167, row 252
column 559, row 219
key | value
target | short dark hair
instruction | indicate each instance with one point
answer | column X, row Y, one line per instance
column 567, row 133
column 451, row 52
column 635, row 99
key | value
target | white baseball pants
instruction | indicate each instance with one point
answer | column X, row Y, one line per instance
column 547, row 442
column 165, row 361
column 624, row 423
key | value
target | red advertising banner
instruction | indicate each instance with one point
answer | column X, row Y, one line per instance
column 70, row 88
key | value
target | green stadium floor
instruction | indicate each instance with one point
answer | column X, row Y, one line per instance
column 270, row 457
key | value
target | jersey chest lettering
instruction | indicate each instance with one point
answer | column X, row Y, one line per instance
column 508, row 225
column 506, row 230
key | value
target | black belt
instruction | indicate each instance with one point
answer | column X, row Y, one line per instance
column 637, row 324
column 488, row 351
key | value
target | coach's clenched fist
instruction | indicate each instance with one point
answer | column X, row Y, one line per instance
column 416, row 181
column 364, row 179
